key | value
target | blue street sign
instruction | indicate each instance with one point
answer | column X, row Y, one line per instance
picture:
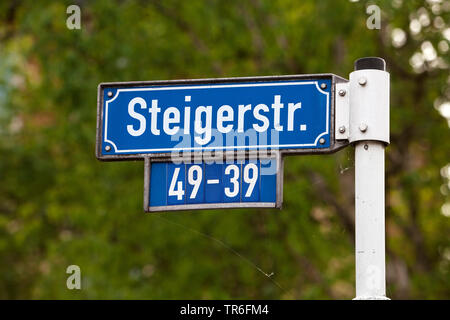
column 137, row 120
column 237, row 183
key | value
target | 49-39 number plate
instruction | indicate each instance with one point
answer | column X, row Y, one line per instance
column 237, row 183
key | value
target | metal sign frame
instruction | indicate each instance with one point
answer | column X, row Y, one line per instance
column 236, row 205
column 335, row 145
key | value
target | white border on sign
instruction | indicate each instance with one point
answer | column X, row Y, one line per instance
column 316, row 83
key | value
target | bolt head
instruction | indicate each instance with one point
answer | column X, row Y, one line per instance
column 108, row 148
column 323, row 86
column 110, row 93
column 342, row 92
column 342, row 129
column 363, row 127
column 362, row 81
column 322, row 140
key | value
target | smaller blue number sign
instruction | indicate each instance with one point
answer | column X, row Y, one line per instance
column 238, row 183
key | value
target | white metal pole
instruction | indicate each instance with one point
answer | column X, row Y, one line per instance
column 369, row 220
column 369, row 131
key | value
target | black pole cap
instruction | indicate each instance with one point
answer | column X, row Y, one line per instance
column 370, row 63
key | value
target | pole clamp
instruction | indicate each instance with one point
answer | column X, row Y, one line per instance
column 369, row 106
column 362, row 107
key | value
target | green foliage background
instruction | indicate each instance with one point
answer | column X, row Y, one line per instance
column 60, row 206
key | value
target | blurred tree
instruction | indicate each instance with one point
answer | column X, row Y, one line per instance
column 59, row 206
